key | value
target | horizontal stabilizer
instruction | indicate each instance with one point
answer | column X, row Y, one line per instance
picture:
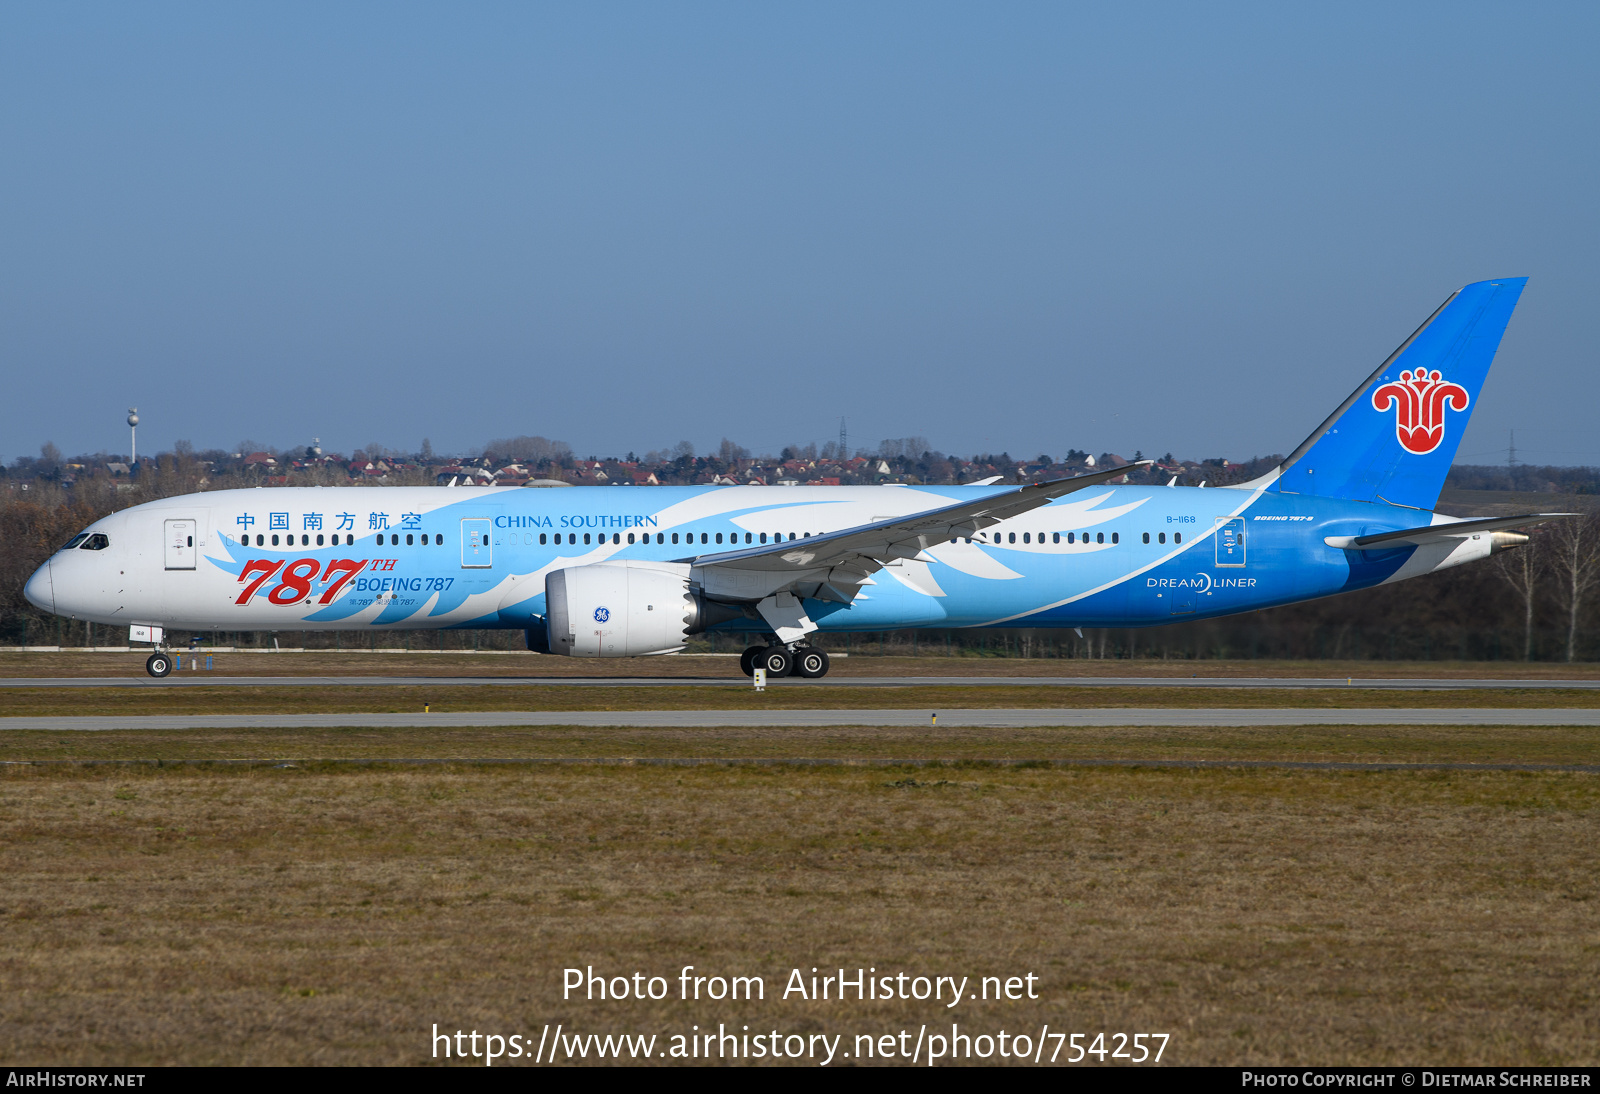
column 1383, row 541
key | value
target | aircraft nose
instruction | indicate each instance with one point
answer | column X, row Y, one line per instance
column 40, row 589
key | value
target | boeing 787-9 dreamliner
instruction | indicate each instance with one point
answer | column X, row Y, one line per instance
column 606, row 572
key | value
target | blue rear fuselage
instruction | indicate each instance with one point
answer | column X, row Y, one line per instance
column 1125, row 556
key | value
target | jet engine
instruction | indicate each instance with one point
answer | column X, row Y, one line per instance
column 626, row 609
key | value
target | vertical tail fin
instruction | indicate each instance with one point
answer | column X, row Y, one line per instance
column 1394, row 438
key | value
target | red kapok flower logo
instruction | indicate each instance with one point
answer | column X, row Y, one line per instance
column 1419, row 399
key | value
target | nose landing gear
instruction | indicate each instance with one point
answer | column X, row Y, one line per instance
column 159, row 665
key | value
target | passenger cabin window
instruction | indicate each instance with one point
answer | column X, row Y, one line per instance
column 275, row 539
column 1055, row 537
column 1177, row 537
column 586, row 539
column 1099, row 537
column 1147, row 537
column 719, row 537
column 410, row 541
column 1160, row 537
column 1116, row 537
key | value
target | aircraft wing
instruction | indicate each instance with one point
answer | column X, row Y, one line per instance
column 833, row 566
column 1435, row 532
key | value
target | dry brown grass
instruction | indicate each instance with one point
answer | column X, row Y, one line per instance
column 346, row 663
column 379, row 699
column 331, row 916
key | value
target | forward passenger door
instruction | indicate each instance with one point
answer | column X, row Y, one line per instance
column 477, row 545
column 181, row 544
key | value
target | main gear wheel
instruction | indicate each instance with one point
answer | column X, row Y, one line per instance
column 810, row 663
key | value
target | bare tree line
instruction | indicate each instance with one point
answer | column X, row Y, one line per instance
column 1558, row 567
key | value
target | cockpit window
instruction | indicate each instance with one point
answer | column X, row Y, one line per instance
column 74, row 541
column 96, row 542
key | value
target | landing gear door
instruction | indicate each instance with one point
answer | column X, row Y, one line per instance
column 1230, row 541
column 182, row 544
column 477, row 549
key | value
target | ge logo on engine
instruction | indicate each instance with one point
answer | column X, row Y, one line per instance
column 602, row 614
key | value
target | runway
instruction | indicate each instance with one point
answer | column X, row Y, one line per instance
column 800, row 719
column 203, row 679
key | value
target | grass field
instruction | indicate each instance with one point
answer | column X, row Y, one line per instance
column 298, row 908
column 332, row 915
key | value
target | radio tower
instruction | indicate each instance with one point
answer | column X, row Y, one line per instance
column 1511, row 460
column 844, row 441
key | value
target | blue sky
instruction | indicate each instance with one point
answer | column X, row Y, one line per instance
column 1022, row 227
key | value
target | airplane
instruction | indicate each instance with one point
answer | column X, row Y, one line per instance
column 606, row 572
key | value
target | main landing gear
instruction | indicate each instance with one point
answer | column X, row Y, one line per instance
column 159, row 665
column 779, row 660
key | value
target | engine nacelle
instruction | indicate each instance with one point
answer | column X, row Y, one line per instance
column 620, row 609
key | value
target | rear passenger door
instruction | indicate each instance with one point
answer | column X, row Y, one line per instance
column 1230, row 541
